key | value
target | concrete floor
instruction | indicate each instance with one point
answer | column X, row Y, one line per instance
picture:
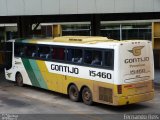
column 48, row 105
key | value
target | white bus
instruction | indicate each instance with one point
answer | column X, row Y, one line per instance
column 91, row 69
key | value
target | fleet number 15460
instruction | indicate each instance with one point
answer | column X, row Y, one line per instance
column 100, row 74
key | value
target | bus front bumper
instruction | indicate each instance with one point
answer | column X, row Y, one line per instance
column 124, row 100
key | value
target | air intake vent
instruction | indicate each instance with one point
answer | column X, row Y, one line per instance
column 105, row 94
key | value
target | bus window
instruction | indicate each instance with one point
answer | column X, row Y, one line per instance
column 58, row 53
column 93, row 57
column 74, row 55
column 31, row 51
column 44, row 52
column 109, row 59
column 20, row 50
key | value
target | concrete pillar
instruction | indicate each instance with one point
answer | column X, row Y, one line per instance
column 24, row 27
column 95, row 25
column 56, row 30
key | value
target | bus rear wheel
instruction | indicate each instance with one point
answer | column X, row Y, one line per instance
column 74, row 93
column 19, row 80
column 87, row 96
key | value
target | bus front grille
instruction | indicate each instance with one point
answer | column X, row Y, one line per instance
column 105, row 94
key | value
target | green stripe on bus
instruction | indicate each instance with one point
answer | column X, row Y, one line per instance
column 30, row 72
column 38, row 74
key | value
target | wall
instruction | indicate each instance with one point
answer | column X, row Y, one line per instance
column 53, row 7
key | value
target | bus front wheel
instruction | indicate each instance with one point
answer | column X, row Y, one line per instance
column 19, row 80
column 73, row 93
column 87, row 96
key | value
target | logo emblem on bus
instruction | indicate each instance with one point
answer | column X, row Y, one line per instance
column 9, row 74
column 136, row 51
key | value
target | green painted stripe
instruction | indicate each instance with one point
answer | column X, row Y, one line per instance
column 38, row 74
column 30, row 72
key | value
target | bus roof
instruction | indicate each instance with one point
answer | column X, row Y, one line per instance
column 85, row 41
column 68, row 39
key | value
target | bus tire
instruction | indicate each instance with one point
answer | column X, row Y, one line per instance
column 87, row 96
column 19, row 80
column 74, row 93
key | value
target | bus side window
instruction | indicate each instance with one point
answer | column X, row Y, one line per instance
column 74, row 55
column 20, row 50
column 17, row 50
column 31, row 51
column 58, row 53
column 69, row 54
column 109, row 59
column 93, row 57
column 44, row 52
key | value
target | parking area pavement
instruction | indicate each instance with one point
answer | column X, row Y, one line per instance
column 31, row 100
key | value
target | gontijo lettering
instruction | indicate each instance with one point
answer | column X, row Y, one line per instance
column 65, row 69
column 135, row 60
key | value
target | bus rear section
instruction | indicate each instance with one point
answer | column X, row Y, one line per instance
column 136, row 72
